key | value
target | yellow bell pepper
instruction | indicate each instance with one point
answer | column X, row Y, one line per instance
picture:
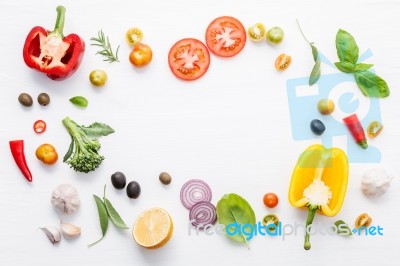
column 319, row 182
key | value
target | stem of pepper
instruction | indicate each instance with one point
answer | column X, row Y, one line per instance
column 312, row 209
column 59, row 27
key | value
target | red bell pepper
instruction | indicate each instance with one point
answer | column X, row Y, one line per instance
column 356, row 130
column 52, row 53
column 17, row 151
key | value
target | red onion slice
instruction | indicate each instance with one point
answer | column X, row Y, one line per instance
column 194, row 191
column 203, row 214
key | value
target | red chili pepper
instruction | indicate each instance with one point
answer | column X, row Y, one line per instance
column 17, row 150
column 52, row 53
column 356, row 130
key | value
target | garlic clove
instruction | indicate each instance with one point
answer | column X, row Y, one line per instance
column 52, row 233
column 65, row 199
column 69, row 231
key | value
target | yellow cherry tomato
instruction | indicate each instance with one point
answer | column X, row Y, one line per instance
column 47, row 154
column 134, row 36
column 282, row 62
column 256, row 32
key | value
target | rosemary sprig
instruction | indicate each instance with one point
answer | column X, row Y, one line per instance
column 103, row 42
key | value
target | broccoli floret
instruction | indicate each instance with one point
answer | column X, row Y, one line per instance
column 83, row 154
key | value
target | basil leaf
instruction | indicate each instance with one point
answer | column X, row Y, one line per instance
column 70, row 150
column 342, row 228
column 114, row 216
column 314, row 52
column 346, row 47
column 79, row 101
column 97, row 130
column 362, row 67
column 345, row 66
column 371, row 84
column 315, row 73
column 233, row 209
column 103, row 217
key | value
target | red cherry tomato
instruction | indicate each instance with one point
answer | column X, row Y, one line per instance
column 270, row 200
column 225, row 36
column 39, row 126
column 189, row 59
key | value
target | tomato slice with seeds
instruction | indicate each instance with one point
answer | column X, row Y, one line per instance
column 39, row 126
column 189, row 59
column 225, row 36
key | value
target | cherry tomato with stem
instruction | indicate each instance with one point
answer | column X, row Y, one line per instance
column 39, row 126
column 270, row 200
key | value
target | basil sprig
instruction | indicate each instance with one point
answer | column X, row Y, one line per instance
column 371, row 85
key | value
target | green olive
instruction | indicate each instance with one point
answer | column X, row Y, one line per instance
column 25, row 99
column 165, row 178
column 326, row 106
column 43, row 99
column 98, row 77
column 275, row 35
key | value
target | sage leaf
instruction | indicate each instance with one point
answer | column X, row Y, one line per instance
column 114, row 216
column 346, row 47
column 70, row 150
column 103, row 217
column 315, row 73
column 371, row 84
column 79, row 101
column 342, row 228
column 233, row 209
column 97, row 130
column 362, row 67
column 345, row 66
column 314, row 52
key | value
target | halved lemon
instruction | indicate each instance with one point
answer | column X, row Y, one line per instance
column 153, row 228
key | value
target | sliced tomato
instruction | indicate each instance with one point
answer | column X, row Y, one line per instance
column 189, row 59
column 39, row 126
column 225, row 36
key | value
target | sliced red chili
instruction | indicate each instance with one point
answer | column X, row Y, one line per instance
column 39, row 126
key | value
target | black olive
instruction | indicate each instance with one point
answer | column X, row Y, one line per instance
column 133, row 190
column 165, row 178
column 43, row 99
column 317, row 127
column 118, row 180
column 25, row 99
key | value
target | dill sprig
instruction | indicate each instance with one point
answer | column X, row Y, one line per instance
column 103, row 42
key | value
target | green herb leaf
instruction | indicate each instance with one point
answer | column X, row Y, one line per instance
column 79, row 101
column 315, row 73
column 345, row 66
column 103, row 217
column 232, row 208
column 362, row 67
column 70, row 150
column 342, row 228
column 104, row 42
column 371, row 84
column 97, row 130
column 346, row 47
column 314, row 52
column 114, row 216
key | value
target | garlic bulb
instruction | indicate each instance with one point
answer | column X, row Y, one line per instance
column 375, row 182
column 70, row 231
column 52, row 233
column 65, row 198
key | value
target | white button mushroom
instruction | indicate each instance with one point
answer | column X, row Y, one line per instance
column 375, row 182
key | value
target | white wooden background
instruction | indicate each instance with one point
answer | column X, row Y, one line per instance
column 230, row 128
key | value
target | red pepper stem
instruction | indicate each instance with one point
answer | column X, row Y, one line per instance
column 312, row 209
column 59, row 27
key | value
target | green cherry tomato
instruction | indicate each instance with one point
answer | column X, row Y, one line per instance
column 256, row 32
column 275, row 35
column 98, row 77
column 326, row 106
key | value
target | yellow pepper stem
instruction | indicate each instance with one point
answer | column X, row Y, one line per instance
column 312, row 209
